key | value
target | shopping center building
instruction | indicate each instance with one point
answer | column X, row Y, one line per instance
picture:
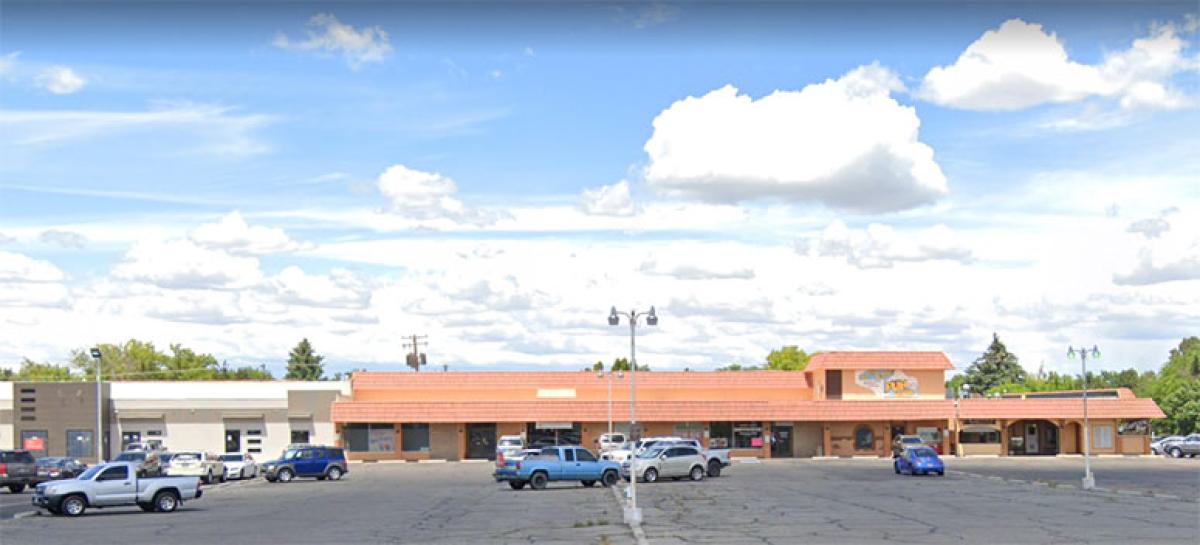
column 842, row 404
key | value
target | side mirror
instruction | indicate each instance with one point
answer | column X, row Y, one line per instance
column 662, row 456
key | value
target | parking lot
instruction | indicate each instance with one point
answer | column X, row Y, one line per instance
column 783, row 501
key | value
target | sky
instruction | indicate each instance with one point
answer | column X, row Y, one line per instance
column 236, row 176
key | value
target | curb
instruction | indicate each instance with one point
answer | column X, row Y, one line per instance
column 638, row 533
column 26, row 514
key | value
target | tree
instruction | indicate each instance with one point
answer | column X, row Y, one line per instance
column 1177, row 390
column 739, row 367
column 788, row 358
column 32, row 371
column 303, row 363
column 997, row 366
column 622, row 364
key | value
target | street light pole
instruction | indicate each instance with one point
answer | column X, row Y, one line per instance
column 609, row 375
column 633, row 515
column 99, row 408
column 1089, row 481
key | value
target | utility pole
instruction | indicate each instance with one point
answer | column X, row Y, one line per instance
column 416, row 359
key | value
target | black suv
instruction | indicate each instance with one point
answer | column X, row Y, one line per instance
column 18, row 469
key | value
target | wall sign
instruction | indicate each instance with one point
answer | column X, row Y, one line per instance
column 887, row 383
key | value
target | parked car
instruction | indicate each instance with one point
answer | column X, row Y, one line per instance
column 115, row 484
column 308, row 461
column 630, row 448
column 148, row 461
column 1156, row 446
column 902, row 442
column 920, row 460
column 205, row 465
column 18, row 469
column 714, row 459
column 567, row 463
column 1188, row 446
column 610, row 441
column 509, row 445
column 49, row 469
column 239, row 466
column 675, row 462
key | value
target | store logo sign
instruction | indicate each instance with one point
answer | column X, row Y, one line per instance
column 887, row 383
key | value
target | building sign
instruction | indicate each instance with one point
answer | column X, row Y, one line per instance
column 33, row 443
column 887, row 383
column 381, row 439
column 554, row 425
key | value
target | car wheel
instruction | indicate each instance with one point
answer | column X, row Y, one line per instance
column 538, row 481
column 516, row 485
column 166, row 501
column 588, row 484
column 609, row 478
column 16, row 488
column 73, row 506
column 714, row 469
column 650, row 475
column 208, row 478
column 334, row 473
column 285, row 475
column 224, row 475
column 1176, row 453
column 697, row 473
column 942, row 473
column 896, row 467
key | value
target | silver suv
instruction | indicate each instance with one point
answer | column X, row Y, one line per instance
column 18, row 469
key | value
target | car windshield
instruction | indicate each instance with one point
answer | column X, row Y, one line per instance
column 291, row 453
column 46, row 462
column 510, row 442
column 130, row 457
column 910, row 440
column 231, row 457
column 91, row 472
column 650, row 453
column 923, row 453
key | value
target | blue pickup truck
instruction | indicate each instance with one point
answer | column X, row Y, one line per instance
column 558, row 464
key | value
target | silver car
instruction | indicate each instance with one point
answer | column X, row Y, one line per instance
column 675, row 462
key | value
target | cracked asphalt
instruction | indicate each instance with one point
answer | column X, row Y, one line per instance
column 778, row 501
column 863, row 501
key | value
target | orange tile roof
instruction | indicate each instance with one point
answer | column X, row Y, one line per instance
column 472, row 380
column 880, row 360
column 649, row 411
column 1012, row 409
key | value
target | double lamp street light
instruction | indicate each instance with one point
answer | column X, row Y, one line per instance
column 633, row 514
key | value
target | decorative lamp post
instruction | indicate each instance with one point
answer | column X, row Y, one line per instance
column 1089, row 481
column 609, row 374
column 633, row 515
column 99, row 408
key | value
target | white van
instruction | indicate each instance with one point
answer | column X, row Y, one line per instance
column 610, row 441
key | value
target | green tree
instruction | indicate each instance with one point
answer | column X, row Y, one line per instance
column 1177, row 390
column 788, row 358
column 997, row 366
column 304, row 364
column 184, row 364
column 739, row 367
column 622, row 364
column 33, row 371
column 134, row 360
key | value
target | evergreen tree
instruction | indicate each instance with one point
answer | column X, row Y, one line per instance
column 303, row 363
column 996, row 367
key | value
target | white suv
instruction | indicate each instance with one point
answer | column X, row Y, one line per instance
column 610, row 441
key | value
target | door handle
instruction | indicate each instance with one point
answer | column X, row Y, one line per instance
column 127, row 484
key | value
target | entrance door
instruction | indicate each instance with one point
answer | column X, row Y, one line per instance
column 130, row 437
column 1031, row 438
column 481, row 441
column 781, row 441
column 233, row 440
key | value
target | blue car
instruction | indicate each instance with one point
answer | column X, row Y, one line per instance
column 306, row 461
column 918, row 461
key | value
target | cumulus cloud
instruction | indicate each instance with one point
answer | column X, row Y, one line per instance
column 695, row 271
column 8, row 61
column 427, row 196
column 186, row 264
column 60, row 80
column 66, row 239
column 881, row 246
column 1020, row 65
column 845, row 143
column 327, row 34
column 1151, row 269
column 29, row 282
column 1152, row 228
column 609, row 200
column 16, row 267
column 233, row 234
column 5, row 239
column 340, row 289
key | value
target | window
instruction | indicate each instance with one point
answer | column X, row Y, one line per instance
column 584, row 456
column 569, row 455
column 690, row 430
column 370, row 437
column 1102, row 437
column 114, row 474
column 37, row 442
column 864, row 438
column 414, row 437
column 28, row 391
column 254, row 450
column 253, row 432
column 154, row 433
column 720, row 434
column 1134, row 427
column 299, row 436
column 979, row 437
column 79, row 444
column 254, row 441
column 744, row 434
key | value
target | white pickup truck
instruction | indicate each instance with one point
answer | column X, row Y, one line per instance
column 113, row 485
column 715, row 459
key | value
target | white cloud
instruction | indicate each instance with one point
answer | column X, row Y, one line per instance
column 326, row 33
column 717, row 270
column 233, row 234
column 29, row 282
column 16, row 267
column 609, row 200
column 66, row 239
column 881, row 246
column 5, row 239
column 1019, row 65
column 185, row 264
column 1152, row 228
column 340, row 289
column 427, row 196
column 60, row 80
column 8, row 61
column 845, row 142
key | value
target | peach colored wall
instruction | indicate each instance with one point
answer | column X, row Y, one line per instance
column 842, row 439
column 930, row 385
column 818, row 382
column 600, row 393
column 509, row 428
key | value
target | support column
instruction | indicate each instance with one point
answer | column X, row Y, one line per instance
column 826, row 441
column 768, row 435
column 946, row 439
column 1003, row 437
column 887, row 438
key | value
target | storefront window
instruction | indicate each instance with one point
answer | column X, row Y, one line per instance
column 548, row 434
column 36, row 442
column 864, row 438
column 690, row 430
column 720, row 434
column 747, row 435
column 979, row 437
column 1134, row 427
column 414, row 437
column 1102, row 436
column 369, row 437
column 79, row 444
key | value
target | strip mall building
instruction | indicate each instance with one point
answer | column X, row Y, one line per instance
column 843, row 404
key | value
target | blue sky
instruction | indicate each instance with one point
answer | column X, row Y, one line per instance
column 222, row 175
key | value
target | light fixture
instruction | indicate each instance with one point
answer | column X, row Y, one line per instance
column 652, row 318
column 96, row 353
column 613, row 319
